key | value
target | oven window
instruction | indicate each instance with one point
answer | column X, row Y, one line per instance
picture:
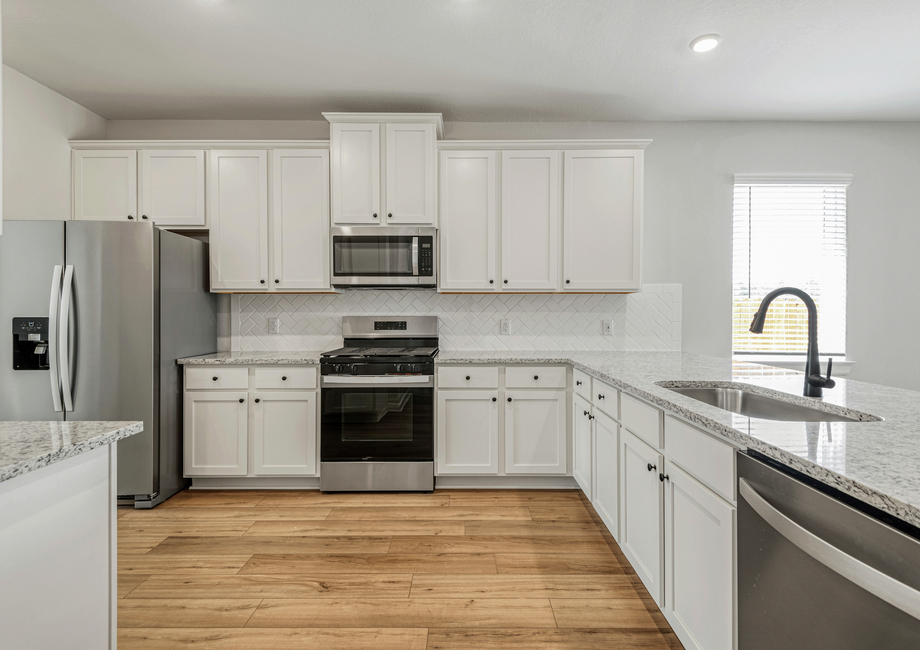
column 383, row 415
column 372, row 256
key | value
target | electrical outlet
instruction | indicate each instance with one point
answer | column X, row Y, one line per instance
column 274, row 326
column 608, row 327
column 506, row 326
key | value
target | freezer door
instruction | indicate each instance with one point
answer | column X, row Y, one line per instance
column 29, row 253
column 112, row 339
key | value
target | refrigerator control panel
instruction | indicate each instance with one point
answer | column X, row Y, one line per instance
column 30, row 343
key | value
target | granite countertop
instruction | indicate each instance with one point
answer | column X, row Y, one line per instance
column 875, row 462
column 308, row 357
column 28, row 446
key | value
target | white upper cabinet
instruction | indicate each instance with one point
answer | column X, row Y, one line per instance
column 105, row 185
column 602, row 207
column 355, row 155
column 468, row 217
column 530, row 220
column 410, row 173
column 300, row 219
column 172, row 187
column 238, row 209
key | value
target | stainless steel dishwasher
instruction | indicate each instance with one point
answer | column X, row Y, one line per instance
column 815, row 572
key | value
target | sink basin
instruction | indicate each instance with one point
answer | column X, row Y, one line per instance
column 756, row 405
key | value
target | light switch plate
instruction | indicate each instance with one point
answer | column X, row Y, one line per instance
column 274, row 326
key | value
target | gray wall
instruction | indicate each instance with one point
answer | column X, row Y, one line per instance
column 687, row 228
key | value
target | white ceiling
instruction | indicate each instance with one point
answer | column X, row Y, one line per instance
column 474, row 60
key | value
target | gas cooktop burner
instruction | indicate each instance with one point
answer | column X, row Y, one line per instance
column 360, row 352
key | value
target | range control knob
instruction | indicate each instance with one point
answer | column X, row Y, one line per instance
column 337, row 367
column 414, row 368
column 353, row 369
column 399, row 367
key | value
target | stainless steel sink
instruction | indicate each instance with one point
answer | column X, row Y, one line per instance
column 755, row 405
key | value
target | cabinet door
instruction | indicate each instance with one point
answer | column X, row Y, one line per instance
column 284, row 433
column 535, row 432
column 467, row 432
column 468, row 221
column 215, row 433
column 355, row 169
column 699, row 563
column 410, row 173
column 300, row 219
column 606, row 470
column 641, row 511
column 172, row 187
column 530, row 220
column 602, row 208
column 238, row 209
column 582, row 428
column 105, row 185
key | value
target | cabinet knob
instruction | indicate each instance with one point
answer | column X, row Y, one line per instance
column 509, row 399
column 467, row 377
column 144, row 217
column 585, row 413
column 242, row 400
column 213, row 378
column 494, row 399
column 130, row 217
column 599, row 396
column 284, row 379
column 375, row 215
column 389, row 215
column 258, row 400
column 277, row 281
column 578, row 383
column 664, row 477
column 568, row 282
column 590, row 417
column 491, row 281
column 536, row 377
column 506, row 282
column 652, row 468
column 261, row 281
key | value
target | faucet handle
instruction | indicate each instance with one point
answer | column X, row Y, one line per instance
column 828, row 382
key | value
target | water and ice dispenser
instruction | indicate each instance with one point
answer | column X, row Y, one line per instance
column 30, row 343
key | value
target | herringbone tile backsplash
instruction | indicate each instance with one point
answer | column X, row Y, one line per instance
column 641, row 321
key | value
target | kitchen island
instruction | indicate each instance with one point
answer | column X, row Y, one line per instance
column 58, row 534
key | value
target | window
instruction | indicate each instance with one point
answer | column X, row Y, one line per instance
column 789, row 232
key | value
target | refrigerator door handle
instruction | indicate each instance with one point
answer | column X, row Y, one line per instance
column 53, row 310
column 64, row 337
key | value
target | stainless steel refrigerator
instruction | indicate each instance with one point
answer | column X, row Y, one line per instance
column 94, row 315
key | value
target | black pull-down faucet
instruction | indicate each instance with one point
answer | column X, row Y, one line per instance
column 814, row 382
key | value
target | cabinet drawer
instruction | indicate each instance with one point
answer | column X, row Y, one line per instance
column 275, row 378
column 707, row 459
column 582, row 384
column 642, row 419
column 216, row 378
column 606, row 398
column 535, row 377
column 468, row 377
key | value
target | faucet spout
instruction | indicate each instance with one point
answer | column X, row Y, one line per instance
column 814, row 382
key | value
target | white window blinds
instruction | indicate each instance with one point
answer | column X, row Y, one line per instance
column 789, row 234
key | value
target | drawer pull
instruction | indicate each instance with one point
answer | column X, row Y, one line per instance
column 599, row 396
column 494, row 399
column 467, row 377
column 213, row 378
column 586, row 412
column 242, row 400
column 509, row 399
column 284, row 379
column 652, row 468
column 578, row 383
column 258, row 400
column 536, row 377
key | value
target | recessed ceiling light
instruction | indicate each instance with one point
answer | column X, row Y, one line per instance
column 705, row 43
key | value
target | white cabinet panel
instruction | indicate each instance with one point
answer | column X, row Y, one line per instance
column 642, row 419
column 467, row 432
column 606, row 470
column 284, row 433
column 699, row 563
column 536, row 377
column 530, row 220
column 468, row 377
column 582, row 463
column 602, row 201
column 172, row 187
column 641, row 511
column 535, row 432
column 300, row 219
column 709, row 460
column 238, row 209
column 468, row 221
column 215, row 433
column 105, row 185
column 355, row 170
column 284, row 378
column 205, row 378
column 582, row 384
column 410, row 173
column 606, row 398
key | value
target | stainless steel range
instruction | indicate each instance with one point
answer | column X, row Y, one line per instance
column 377, row 392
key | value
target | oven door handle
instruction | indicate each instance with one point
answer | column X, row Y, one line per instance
column 378, row 380
column 415, row 256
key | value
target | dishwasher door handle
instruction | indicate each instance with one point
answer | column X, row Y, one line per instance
column 895, row 593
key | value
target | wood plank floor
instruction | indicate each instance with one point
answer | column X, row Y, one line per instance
column 453, row 570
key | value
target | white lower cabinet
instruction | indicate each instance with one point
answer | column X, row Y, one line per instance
column 468, row 432
column 284, row 433
column 250, row 432
column 606, row 471
column 641, row 502
column 583, row 456
column 535, row 428
column 699, row 566
column 216, row 433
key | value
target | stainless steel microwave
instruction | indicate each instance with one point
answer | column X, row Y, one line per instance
column 383, row 256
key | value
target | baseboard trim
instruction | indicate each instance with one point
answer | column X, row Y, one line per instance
column 505, row 483
column 256, row 483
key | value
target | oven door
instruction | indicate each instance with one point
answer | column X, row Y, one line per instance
column 389, row 418
column 383, row 256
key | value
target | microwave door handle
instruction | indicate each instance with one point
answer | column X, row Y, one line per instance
column 415, row 256
column 53, row 310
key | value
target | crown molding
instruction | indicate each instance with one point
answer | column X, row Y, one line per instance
column 198, row 144
column 793, row 179
column 389, row 118
column 496, row 145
